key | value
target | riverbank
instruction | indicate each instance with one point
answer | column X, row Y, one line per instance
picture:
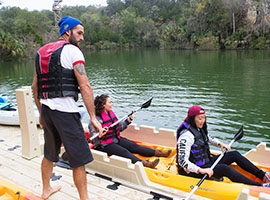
column 206, row 25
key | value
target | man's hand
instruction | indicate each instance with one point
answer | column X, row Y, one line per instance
column 97, row 126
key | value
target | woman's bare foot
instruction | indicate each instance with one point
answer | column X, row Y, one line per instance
column 46, row 194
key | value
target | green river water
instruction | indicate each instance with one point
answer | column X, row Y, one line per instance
column 232, row 86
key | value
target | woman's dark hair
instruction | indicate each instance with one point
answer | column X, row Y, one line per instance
column 99, row 102
column 191, row 122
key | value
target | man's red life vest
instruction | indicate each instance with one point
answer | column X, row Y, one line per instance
column 53, row 79
column 109, row 119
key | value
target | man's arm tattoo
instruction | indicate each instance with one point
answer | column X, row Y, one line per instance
column 80, row 69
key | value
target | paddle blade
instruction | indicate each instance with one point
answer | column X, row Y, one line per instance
column 239, row 134
column 147, row 103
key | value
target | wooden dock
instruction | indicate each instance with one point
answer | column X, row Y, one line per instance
column 27, row 173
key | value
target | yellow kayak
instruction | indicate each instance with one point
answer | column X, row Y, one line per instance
column 10, row 191
column 166, row 174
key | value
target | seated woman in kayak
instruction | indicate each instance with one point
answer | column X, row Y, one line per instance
column 193, row 154
column 112, row 143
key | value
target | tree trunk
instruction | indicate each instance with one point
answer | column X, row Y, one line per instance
column 233, row 22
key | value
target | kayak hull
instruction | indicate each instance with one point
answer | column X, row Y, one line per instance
column 10, row 191
column 11, row 115
column 166, row 174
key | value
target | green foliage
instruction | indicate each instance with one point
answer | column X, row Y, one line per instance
column 260, row 43
column 193, row 24
column 105, row 45
column 205, row 42
column 146, row 33
column 114, row 6
column 24, row 31
column 76, row 11
column 10, row 48
column 236, row 41
column 31, row 30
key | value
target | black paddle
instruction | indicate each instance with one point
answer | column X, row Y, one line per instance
column 144, row 105
column 172, row 162
column 237, row 136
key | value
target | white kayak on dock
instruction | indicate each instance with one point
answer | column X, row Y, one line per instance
column 9, row 113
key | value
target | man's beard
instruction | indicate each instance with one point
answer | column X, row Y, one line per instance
column 72, row 40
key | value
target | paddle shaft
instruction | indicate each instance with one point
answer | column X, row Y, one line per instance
column 205, row 175
column 115, row 123
column 172, row 162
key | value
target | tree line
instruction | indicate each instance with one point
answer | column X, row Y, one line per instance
column 163, row 24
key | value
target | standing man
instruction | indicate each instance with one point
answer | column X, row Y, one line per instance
column 60, row 72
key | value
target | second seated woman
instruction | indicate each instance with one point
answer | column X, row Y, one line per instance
column 114, row 144
column 193, row 154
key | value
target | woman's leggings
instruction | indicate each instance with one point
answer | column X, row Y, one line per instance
column 126, row 148
column 223, row 169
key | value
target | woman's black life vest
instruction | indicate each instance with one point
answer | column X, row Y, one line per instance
column 53, row 79
column 200, row 152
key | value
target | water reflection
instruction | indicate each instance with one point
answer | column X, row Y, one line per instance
column 232, row 86
column 13, row 75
